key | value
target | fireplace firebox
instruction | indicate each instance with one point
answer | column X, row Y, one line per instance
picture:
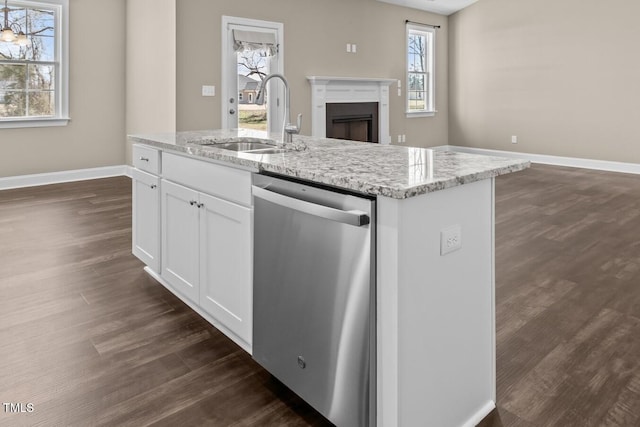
column 357, row 121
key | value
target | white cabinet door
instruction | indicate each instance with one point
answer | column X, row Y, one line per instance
column 180, row 238
column 146, row 218
column 226, row 275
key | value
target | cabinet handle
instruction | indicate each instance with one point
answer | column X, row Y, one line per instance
column 153, row 186
column 144, row 159
column 200, row 205
column 192, row 202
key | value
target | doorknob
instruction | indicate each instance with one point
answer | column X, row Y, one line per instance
column 232, row 111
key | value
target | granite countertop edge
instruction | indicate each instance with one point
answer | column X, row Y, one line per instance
column 362, row 183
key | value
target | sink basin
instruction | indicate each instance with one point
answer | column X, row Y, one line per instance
column 245, row 146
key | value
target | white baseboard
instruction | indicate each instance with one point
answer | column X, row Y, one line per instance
column 480, row 415
column 21, row 181
column 573, row 162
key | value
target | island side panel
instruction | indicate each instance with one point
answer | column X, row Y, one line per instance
column 436, row 340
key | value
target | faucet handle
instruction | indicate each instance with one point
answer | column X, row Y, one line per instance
column 294, row 129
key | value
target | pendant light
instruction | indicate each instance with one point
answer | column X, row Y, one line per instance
column 8, row 34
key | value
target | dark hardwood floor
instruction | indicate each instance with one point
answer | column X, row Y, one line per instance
column 89, row 339
column 568, row 298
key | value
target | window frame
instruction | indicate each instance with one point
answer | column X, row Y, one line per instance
column 430, row 104
column 61, row 61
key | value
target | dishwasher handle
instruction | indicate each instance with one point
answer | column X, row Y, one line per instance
column 353, row 217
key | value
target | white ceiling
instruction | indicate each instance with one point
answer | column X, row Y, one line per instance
column 442, row 7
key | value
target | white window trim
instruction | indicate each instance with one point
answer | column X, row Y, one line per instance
column 62, row 71
column 410, row 27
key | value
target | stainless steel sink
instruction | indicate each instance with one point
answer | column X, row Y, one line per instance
column 255, row 147
column 245, row 146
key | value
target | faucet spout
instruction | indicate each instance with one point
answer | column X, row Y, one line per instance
column 288, row 129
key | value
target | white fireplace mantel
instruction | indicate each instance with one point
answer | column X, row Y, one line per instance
column 349, row 89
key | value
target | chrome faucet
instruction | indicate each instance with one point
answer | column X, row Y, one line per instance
column 288, row 129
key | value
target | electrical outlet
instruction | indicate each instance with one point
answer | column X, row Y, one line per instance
column 514, row 139
column 404, row 138
column 208, row 90
column 399, row 139
column 348, row 47
column 450, row 239
column 354, row 48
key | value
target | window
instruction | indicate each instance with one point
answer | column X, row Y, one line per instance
column 34, row 71
column 420, row 67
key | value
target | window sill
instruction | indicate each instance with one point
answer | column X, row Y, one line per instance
column 33, row 123
column 411, row 114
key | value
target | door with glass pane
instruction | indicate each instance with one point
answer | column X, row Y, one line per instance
column 251, row 50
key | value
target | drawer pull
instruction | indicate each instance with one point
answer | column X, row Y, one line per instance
column 199, row 205
column 153, row 186
column 144, row 159
column 192, row 202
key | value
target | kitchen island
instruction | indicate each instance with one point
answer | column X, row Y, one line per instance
column 435, row 319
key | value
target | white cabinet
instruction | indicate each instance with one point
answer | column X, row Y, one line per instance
column 226, row 264
column 146, row 218
column 180, row 236
column 207, row 247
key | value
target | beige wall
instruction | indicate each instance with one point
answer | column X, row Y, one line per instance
column 315, row 35
column 151, row 67
column 561, row 75
column 95, row 135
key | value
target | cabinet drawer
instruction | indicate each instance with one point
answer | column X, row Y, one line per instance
column 146, row 158
column 217, row 180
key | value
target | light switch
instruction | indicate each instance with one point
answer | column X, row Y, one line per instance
column 354, row 48
column 208, row 90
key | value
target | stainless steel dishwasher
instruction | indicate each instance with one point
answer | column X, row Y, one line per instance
column 314, row 295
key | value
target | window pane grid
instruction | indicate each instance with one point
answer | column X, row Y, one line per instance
column 419, row 69
column 28, row 74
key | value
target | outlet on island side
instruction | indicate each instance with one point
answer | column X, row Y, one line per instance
column 450, row 239
column 514, row 139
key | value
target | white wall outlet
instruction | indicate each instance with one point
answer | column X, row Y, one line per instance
column 514, row 139
column 348, row 47
column 399, row 84
column 450, row 239
column 399, row 139
column 354, row 48
column 208, row 90
column 404, row 138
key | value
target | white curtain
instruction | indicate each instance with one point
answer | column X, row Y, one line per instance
column 255, row 41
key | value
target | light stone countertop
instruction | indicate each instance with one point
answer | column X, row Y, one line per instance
column 381, row 170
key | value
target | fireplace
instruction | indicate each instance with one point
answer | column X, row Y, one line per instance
column 357, row 121
column 349, row 92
